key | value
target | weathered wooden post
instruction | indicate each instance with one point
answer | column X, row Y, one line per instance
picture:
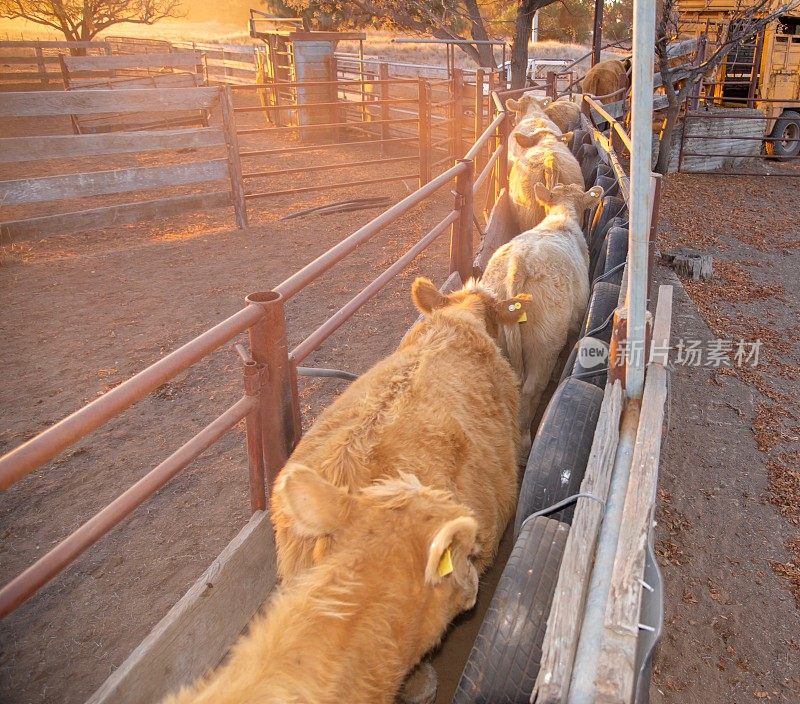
column 457, row 113
column 41, row 65
column 424, row 131
column 655, row 185
column 278, row 406
column 383, row 76
column 234, row 161
column 461, row 232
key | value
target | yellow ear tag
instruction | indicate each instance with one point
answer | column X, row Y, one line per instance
column 523, row 318
column 446, row 563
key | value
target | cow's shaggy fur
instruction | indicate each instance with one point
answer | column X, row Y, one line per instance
column 442, row 407
column 350, row 629
column 565, row 114
column 531, row 116
column 547, row 160
column 551, row 264
column 605, row 78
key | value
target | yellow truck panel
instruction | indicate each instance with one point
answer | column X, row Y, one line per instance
column 764, row 73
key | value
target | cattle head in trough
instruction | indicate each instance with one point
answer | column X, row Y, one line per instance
column 540, row 137
column 568, row 198
column 408, row 536
column 473, row 303
column 527, row 105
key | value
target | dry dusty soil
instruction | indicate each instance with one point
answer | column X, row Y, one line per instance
column 729, row 497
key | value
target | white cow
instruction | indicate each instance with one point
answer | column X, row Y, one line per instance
column 551, row 264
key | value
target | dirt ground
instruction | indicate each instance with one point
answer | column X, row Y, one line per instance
column 729, row 497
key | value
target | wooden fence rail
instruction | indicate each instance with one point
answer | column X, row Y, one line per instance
column 38, row 62
column 24, row 191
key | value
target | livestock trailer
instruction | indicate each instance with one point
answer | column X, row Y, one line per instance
column 763, row 72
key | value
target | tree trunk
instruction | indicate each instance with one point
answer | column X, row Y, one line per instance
column 665, row 145
column 479, row 32
column 522, row 35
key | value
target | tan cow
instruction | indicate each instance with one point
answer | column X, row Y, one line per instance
column 606, row 80
column 565, row 114
column 546, row 159
column 442, row 407
column 348, row 630
column 551, row 264
column 531, row 116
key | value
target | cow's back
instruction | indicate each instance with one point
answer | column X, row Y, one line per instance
column 549, row 163
column 441, row 407
column 605, row 78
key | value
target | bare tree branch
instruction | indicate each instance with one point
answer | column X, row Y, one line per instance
column 83, row 19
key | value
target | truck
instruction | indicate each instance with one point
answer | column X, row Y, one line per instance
column 762, row 72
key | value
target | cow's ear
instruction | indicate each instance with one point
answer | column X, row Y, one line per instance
column 426, row 296
column 593, row 196
column 513, row 105
column 526, row 141
column 513, row 310
column 316, row 506
column 567, row 137
column 543, row 195
column 454, row 541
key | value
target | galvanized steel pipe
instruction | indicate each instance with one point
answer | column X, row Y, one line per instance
column 644, row 23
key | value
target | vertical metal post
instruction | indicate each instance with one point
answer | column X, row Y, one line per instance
column 253, row 377
column 644, row 21
column 550, row 88
column 462, row 229
column 383, row 75
column 505, row 131
column 424, row 132
column 479, row 77
column 616, row 349
column 333, row 97
column 234, row 161
column 278, row 406
column 457, row 111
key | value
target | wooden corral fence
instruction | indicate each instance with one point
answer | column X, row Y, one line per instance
column 137, row 45
column 196, row 633
column 229, row 64
column 126, row 71
column 37, row 63
column 223, row 169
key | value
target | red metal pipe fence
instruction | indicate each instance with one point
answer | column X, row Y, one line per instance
column 269, row 406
